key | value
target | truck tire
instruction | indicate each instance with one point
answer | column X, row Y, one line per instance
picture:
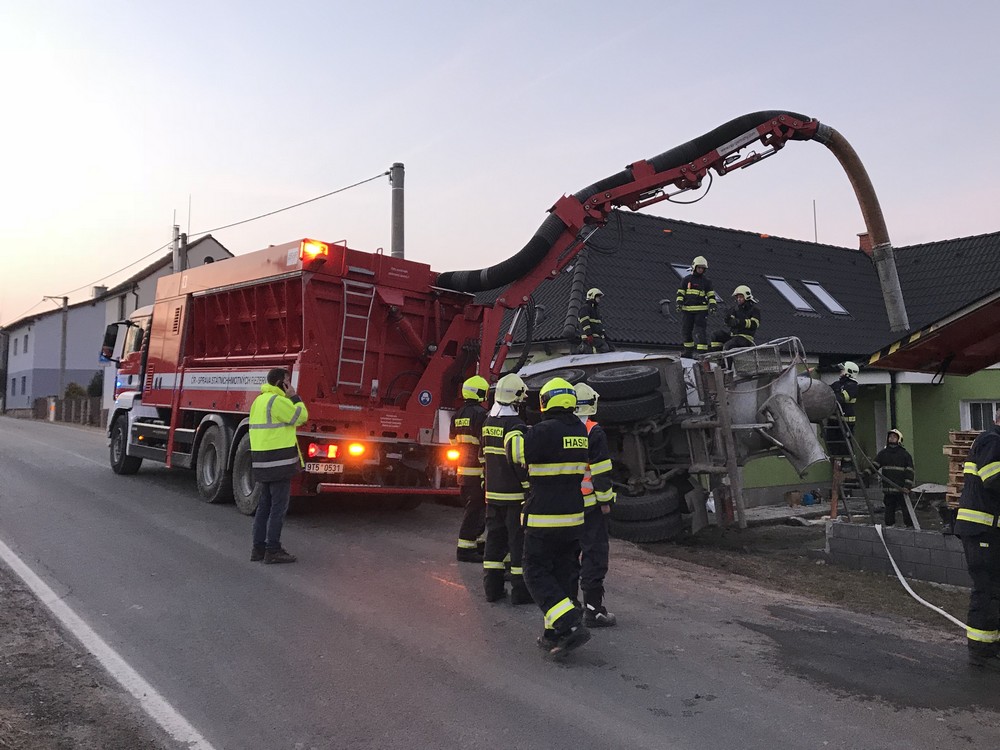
column 572, row 374
column 215, row 482
column 669, row 528
column 630, row 410
column 646, row 507
column 625, row 382
column 121, row 462
column 246, row 492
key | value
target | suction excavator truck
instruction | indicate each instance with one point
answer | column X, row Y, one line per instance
column 378, row 346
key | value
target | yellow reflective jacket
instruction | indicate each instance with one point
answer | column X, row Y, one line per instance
column 273, row 446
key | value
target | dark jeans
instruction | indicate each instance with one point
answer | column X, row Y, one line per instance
column 270, row 515
column 982, row 555
column 595, row 548
column 552, row 572
column 893, row 502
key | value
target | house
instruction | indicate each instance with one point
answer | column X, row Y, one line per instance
column 33, row 364
column 827, row 296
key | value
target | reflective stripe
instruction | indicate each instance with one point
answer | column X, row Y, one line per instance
column 608, row 496
column 555, row 612
column 590, row 500
column 270, row 404
column 516, row 439
column 471, row 439
column 983, row 636
column 470, row 471
column 970, row 468
column 505, row 497
column 506, row 558
column 601, row 466
column 554, row 470
column 694, row 308
column 976, row 516
column 516, row 571
column 989, row 470
column 268, row 426
column 270, row 464
column 466, row 544
column 554, row 520
column 493, row 565
column 494, row 451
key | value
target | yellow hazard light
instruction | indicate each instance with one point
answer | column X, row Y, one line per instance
column 356, row 449
column 313, row 250
column 453, row 454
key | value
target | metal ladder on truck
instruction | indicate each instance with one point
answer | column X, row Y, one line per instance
column 359, row 299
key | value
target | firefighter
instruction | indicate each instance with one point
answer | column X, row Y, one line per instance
column 591, row 325
column 556, row 454
column 976, row 524
column 695, row 300
column 895, row 465
column 466, row 427
column 597, row 499
column 846, row 391
column 275, row 459
column 742, row 322
column 506, row 484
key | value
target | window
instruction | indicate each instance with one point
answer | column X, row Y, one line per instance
column 828, row 300
column 681, row 269
column 15, row 347
column 978, row 415
column 787, row 291
column 25, row 343
column 24, row 384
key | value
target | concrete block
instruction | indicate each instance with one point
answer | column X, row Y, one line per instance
column 853, row 547
column 844, row 530
column 958, row 561
column 915, row 555
column 929, row 539
column 954, row 543
column 936, row 574
column 868, row 534
column 918, row 571
column 959, row 578
column 902, row 537
column 942, row 558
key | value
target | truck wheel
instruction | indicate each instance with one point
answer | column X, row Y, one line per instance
column 572, row 374
column 121, row 462
column 625, row 382
column 646, row 507
column 630, row 410
column 246, row 492
column 215, row 483
column 667, row 529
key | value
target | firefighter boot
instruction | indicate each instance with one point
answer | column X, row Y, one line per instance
column 570, row 640
column 493, row 585
column 547, row 640
column 984, row 661
column 469, row 555
column 275, row 556
column 595, row 614
column 256, row 554
column 519, row 593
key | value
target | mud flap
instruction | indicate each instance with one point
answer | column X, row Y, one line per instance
column 696, row 499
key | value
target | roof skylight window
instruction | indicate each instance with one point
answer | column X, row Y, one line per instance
column 680, row 269
column 788, row 292
column 825, row 297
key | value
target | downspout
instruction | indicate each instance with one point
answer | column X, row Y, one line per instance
column 892, row 399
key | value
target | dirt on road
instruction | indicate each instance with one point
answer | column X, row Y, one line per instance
column 55, row 695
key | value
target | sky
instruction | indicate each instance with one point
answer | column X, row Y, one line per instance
column 116, row 116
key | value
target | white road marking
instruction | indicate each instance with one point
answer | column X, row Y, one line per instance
column 154, row 704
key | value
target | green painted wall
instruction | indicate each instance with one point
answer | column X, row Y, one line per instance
column 774, row 471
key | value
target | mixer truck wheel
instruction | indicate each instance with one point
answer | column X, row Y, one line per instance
column 630, row 410
column 646, row 507
column 215, row 483
column 573, row 374
column 667, row 529
column 625, row 382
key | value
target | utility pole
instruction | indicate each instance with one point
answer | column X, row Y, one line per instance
column 175, row 250
column 396, row 180
column 815, row 226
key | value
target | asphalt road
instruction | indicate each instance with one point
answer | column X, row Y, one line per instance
column 377, row 638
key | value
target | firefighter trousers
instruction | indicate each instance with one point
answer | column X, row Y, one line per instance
column 982, row 555
column 694, row 327
column 552, row 572
column 594, row 549
column 474, row 521
column 893, row 501
column 504, row 537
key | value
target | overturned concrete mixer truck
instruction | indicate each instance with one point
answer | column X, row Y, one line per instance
column 675, row 422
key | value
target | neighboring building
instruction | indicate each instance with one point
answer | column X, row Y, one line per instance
column 827, row 296
column 31, row 366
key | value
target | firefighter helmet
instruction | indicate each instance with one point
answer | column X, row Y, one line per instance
column 701, row 260
column 586, row 400
column 850, row 369
column 510, row 390
column 895, row 432
column 557, row 393
column 594, row 294
column 745, row 291
column 475, row 388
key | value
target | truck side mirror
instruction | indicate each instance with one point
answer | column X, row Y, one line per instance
column 108, row 347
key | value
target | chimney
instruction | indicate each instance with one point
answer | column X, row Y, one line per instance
column 98, row 291
column 865, row 244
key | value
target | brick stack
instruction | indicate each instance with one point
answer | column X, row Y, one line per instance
column 957, row 451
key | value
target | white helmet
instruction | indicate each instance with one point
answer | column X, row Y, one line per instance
column 701, row 260
column 594, row 294
column 745, row 291
column 511, row 390
column 586, row 400
column 850, row 369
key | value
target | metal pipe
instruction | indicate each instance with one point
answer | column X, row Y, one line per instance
column 396, row 180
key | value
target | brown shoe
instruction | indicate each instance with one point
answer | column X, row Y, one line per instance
column 272, row 557
column 256, row 554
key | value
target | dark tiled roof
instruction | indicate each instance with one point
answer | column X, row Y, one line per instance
column 630, row 261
